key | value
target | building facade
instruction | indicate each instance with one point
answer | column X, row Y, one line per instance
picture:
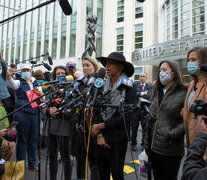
column 47, row 30
column 181, row 26
column 123, row 25
column 129, row 26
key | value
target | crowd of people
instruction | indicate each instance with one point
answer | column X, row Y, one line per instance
column 99, row 135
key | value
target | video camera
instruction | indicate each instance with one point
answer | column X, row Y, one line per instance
column 199, row 107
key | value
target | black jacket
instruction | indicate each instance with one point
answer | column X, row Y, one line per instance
column 194, row 166
column 168, row 131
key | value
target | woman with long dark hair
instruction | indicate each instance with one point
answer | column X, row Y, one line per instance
column 59, row 134
column 167, row 101
column 196, row 90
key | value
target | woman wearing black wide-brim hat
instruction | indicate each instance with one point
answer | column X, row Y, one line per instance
column 110, row 128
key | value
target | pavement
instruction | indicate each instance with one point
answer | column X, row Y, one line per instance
column 131, row 170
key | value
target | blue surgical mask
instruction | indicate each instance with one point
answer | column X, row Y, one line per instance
column 193, row 68
column 165, row 77
column 26, row 75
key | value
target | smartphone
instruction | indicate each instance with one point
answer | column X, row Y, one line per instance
column 13, row 124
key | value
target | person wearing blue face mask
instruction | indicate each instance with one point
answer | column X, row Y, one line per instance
column 196, row 90
column 27, row 129
column 167, row 101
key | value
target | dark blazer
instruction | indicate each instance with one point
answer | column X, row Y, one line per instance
column 194, row 166
column 148, row 87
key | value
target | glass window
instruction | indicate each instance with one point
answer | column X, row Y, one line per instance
column 63, row 36
column 175, row 35
column 197, row 3
column 120, row 10
column 198, row 19
column 89, row 7
column 198, row 11
column 185, row 7
column 120, row 40
column 175, row 12
column 185, row 32
column 175, row 20
column 138, row 42
column 185, row 23
column 99, row 27
column 198, row 28
column 73, row 28
column 175, row 5
column 138, row 9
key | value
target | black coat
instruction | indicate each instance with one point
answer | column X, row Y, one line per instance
column 194, row 166
column 168, row 131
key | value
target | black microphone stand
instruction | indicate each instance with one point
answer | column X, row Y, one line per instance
column 151, row 118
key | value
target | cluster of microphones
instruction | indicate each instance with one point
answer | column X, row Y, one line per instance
column 68, row 95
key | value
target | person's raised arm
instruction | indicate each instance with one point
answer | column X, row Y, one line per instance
column 14, row 84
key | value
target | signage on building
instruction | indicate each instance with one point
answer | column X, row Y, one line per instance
column 176, row 48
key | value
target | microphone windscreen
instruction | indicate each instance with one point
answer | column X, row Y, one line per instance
column 85, row 91
column 101, row 73
column 50, row 60
column 33, row 62
column 95, row 75
column 203, row 67
column 69, row 78
column 65, row 5
column 47, row 66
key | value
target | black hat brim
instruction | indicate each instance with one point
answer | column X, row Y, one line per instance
column 128, row 67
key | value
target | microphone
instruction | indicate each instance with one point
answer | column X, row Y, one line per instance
column 65, row 80
column 69, row 78
column 98, row 84
column 203, row 67
column 124, row 82
column 81, row 80
column 144, row 103
column 50, row 60
column 46, row 66
column 101, row 73
column 74, row 86
column 92, row 79
column 50, row 83
column 33, row 62
column 65, row 5
column 60, row 79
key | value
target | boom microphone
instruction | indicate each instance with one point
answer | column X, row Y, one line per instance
column 65, row 5
column 47, row 66
column 50, row 83
column 50, row 60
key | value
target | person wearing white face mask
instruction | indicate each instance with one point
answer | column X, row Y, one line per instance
column 167, row 101
column 27, row 129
